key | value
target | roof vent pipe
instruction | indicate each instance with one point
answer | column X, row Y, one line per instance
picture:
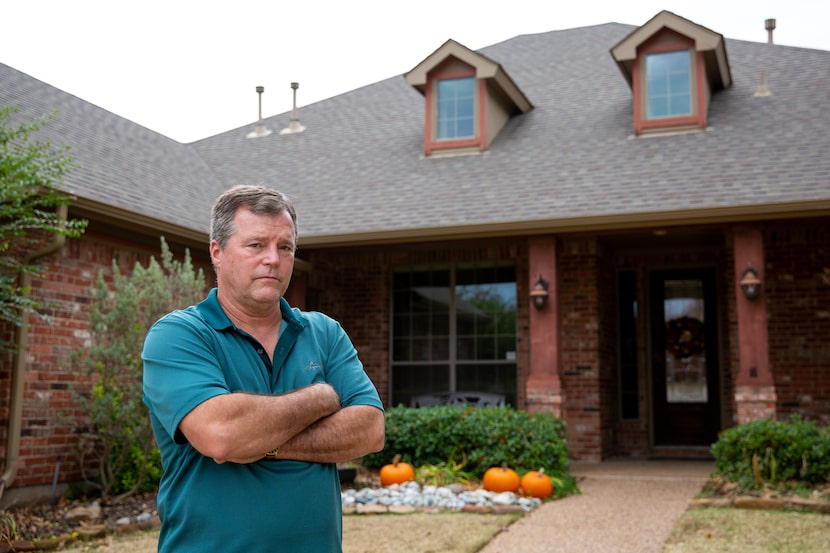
column 762, row 90
column 294, row 126
column 770, row 26
column 260, row 129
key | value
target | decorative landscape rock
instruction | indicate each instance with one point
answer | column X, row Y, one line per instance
column 84, row 513
column 411, row 496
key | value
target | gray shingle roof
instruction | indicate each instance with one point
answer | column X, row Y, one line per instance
column 358, row 171
column 121, row 163
column 358, row 167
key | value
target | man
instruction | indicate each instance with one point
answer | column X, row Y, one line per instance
column 253, row 402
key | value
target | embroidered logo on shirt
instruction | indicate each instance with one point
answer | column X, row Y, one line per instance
column 313, row 366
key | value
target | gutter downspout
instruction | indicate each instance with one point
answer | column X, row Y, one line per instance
column 19, row 367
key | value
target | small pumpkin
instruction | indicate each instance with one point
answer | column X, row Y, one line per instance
column 397, row 472
column 500, row 479
column 537, row 484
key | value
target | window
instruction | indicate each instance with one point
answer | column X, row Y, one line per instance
column 673, row 67
column 456, row 108
column 629, row 376
column 454, row 329
column 668, row 84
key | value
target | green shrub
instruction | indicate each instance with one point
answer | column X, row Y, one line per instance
column 142, row 473
column 785, row 452
column 476, row 438
column 118, row 454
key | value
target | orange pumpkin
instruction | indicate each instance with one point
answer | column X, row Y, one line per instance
column 537, row 484
column 396, row 473
column 500, row 479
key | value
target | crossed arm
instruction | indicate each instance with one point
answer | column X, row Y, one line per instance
column 307, row 424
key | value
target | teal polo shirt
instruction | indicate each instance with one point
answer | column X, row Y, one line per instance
column 268, row 506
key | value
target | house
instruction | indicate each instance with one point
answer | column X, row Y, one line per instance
column 626, row 226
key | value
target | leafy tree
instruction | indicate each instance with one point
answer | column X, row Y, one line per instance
column 31, row 172
column 119, row 441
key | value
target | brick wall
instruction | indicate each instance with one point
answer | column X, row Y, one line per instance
column 55, row 390
column 353, row 288
column 608, row 343
column 580, row 346
column 798, row 301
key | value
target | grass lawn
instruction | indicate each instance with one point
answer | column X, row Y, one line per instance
column 726, row 530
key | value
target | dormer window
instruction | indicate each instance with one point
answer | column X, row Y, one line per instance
column 454, row 100
column 666, row 91
column 468, row 99
column 674, row 67
column 668, row 79
column 456, row 108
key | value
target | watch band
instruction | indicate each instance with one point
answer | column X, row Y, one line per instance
column 273, row 453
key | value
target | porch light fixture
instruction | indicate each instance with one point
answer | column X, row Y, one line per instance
column 539, row 293
column 750, row 283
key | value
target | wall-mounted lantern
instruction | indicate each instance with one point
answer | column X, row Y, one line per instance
column 539, row 293
column 750, row 283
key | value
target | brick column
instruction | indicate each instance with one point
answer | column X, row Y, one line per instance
column 755, row 395
column 544, row 387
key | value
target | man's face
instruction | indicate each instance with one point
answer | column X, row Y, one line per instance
column 254, row 269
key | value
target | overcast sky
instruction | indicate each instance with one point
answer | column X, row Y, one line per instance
column 189, row 68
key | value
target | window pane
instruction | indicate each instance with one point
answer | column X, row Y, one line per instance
column 683, row 313
column 681, row 104
column 412, row 380
column 657, row 87
column 629, row 375
column 421, row 319
column 495, row 379
column 668, row 84
column 465, row 127
column 679, row 82
column 485, row 314
column 456, row 108
column 658, row 107
column 477, row 317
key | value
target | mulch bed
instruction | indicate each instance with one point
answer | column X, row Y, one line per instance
column 723, row 493
column 43, row 527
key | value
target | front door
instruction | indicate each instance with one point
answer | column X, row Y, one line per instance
column 684, row 357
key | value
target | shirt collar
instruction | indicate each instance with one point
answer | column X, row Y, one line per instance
column 213, row 313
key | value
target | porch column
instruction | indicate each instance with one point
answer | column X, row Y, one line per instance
column 755, row 395
column 544, row 387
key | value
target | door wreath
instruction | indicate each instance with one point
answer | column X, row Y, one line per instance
column 684, row 337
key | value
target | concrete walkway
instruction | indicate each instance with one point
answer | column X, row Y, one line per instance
column 626, row 506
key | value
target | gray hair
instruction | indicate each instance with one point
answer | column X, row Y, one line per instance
column 258, row 199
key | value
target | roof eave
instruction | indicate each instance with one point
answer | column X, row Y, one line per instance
column 644, row 220
column 129, row 220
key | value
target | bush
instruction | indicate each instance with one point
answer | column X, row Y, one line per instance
column 769, row 452
column 118, row 452
column 476, row 438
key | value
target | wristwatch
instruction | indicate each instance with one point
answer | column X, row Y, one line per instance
column 273, row 453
